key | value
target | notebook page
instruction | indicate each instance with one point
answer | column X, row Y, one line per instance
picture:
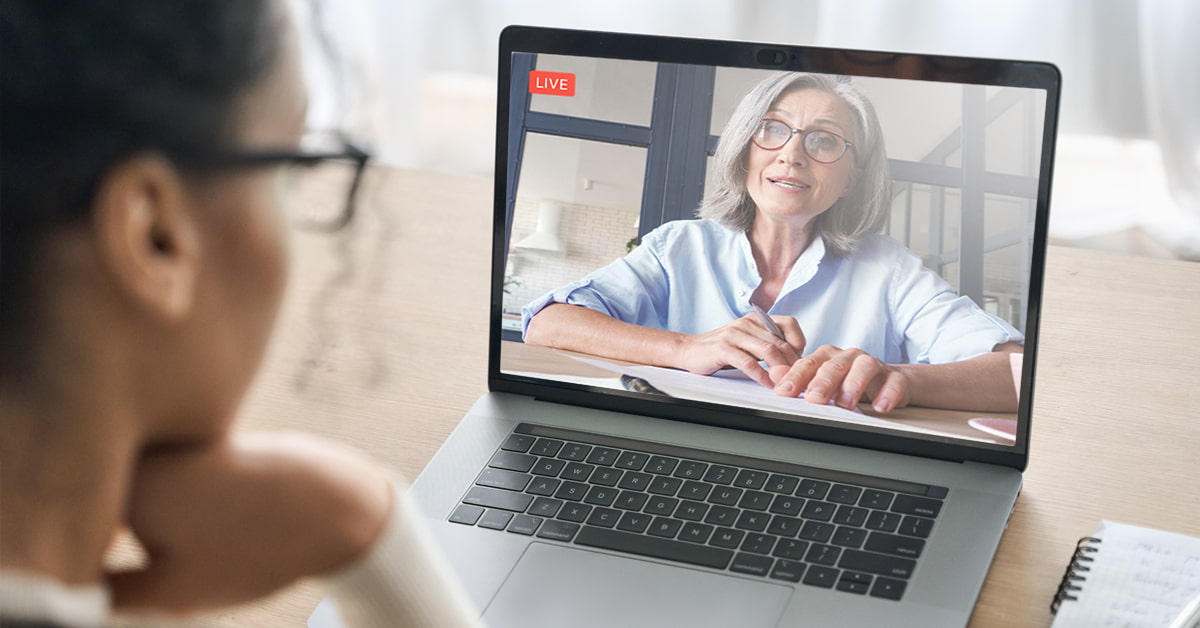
column 1140, row 578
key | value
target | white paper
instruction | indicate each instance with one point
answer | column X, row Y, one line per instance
column 1140, row 578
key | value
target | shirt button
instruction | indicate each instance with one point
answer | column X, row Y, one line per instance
column 741, row 293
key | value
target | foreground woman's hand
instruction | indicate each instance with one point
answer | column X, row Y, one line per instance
column 845, row 376
column 240, row 518
column 742, row 344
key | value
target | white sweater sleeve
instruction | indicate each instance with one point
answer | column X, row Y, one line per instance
column 402, row 581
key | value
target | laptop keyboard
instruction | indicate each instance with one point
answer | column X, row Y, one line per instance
column 824, row 528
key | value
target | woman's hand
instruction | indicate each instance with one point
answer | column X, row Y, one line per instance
column 845, row 376
column 237, row 519
column 742, row 344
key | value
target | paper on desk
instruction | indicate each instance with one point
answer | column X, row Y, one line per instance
column 733, row 387
column 1140, row 577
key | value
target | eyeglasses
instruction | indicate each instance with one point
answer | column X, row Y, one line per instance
column 319, row 181
column 821, row 146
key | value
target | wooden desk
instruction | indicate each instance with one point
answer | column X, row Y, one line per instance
column 383, row 342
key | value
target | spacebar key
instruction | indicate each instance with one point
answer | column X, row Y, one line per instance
column 658, row 548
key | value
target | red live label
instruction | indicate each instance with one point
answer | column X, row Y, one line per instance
column 553, row 83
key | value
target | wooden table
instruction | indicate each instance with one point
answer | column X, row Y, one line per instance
column 383, row 337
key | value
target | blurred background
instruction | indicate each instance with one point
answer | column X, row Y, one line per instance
column 417, row 79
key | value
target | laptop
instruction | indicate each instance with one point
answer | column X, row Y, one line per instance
column 589, row 490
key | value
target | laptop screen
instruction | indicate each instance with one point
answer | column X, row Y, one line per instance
column 835, row 239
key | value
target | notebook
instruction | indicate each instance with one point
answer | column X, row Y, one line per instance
column 1129, row 576
column 591, row 489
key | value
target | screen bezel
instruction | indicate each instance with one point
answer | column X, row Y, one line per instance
column 653, row 48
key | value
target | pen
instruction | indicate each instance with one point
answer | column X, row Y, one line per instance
column 1189, row 617
column 768, row 323
column 637, row 384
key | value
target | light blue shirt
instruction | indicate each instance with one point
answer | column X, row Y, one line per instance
column 693, row 276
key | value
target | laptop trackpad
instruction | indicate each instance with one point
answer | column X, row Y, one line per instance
column 554, row 586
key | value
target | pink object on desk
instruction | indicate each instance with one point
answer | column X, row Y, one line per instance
column 1000, row 428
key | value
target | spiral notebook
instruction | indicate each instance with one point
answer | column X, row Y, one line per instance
column 1129, row 577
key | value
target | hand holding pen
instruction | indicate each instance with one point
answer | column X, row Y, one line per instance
column 744, row 344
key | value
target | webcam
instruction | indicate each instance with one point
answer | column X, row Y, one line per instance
column 771, row 56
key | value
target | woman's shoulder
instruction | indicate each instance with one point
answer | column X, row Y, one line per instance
column 701, row 230
column 877, row 246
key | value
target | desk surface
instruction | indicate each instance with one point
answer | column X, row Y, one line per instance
column 383, row 342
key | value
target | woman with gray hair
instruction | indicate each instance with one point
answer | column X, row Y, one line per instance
column 802, row 190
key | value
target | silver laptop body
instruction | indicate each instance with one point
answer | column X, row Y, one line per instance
column 748, row 507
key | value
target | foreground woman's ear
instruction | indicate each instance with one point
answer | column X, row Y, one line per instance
column 146, row 237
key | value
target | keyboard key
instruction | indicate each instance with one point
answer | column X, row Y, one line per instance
column 872, row 498
column 691, row 470
column 720, row 474
column 758, row 543
column 664, row 527
column 820, row 511
column 634, row 522
column 695, row 532
column 851, row 516
column 786, row 505
column 631, row 500
column 508, row 480
column 603, row 456
column 846, row 536
column 784, row 484
column 755, row 500
column 790, row 549
column 697, row 491
column 722, row 516
column 751, row 564
column 577, row 471
column 635, row 481
column 545, row 507
column 466, row 514
column 690, row 553
column 813, row 489
column 497, row 498
column 888, row 589
column 843, row 494
column 572, row 491
column 822, row 554
column 870, row 562
column 605, row 476
column 663, row 485
column 518, row 442
column 512, row 461
column 850, row 586
column 749, row 478
column 661, row 465
column 788, row 570
column 658, row 505
column 495, row 519
column 785, row 526
column 546, row 447
column 725, row 537
column 916, row 526
column 575, row 451
column 691, row 511
column 524, row 524
column 548, row 467
column 885, row 521
column 604, row 517
column 543, row 486
column 896, row 545
column 753, row 521
column 854, row 576
column 632, row 460
column 725, row 495
column 600, row 496
column 816, row 531
column 575, row 512
column 558, row 530
column 912, row 505
column 818, row 576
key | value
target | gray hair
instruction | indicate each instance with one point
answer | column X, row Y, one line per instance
column 863, row 210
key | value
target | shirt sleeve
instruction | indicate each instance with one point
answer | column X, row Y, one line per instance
column 633, row 289
column 402, row 581
column 937, row 325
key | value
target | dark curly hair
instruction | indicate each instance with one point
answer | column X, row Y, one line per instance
column 85, row 84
